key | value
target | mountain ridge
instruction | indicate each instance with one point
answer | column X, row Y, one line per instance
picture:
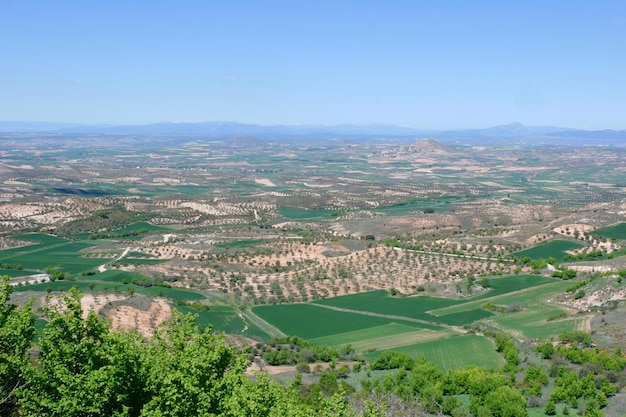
column 502, row 135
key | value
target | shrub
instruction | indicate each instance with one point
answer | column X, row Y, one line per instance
column 303, row 368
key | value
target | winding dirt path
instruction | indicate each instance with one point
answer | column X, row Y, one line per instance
column 103, row 267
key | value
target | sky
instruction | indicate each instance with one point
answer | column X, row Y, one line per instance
column 426, row 64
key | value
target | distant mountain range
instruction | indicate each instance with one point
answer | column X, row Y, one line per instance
column 514, row 134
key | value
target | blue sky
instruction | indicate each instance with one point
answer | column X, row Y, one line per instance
column 427, row 64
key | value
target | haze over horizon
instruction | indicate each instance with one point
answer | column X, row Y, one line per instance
column 427, row 65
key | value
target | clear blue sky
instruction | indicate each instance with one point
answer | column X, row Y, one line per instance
column 427, row 64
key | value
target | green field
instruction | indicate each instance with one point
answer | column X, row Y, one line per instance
column 51, row 251
column 140, row 261
column 239, row 243
column 227, row 320
column 522, row 295
column 617, row 231
column 141, row 226
column 454, row 352
column 421, row 326
column 113, row 275
column 309, row 321
column 418, row 204
column 94, row 286
column 380, row 302
column 422, row 307
column 388, row 335
column 555, row 249
column 12, row 273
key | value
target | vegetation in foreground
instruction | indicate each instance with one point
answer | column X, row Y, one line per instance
column 85, row 369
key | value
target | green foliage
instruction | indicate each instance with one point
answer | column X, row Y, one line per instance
column 505, row 402
column 535, row 379
column 190, row 371
column 576, row 337
column 578, row 285
column 84, row 370
column 393, row 360
column 564, row 273
column 478, row 383
column 15, row 266
column 550, row 408
column 594, row 254
column 55, row 273
column 546, row 350
column 87, row 370
column 506, row 345
column 292, row 349
column 17, row 328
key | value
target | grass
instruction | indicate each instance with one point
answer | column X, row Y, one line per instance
column 94, row 286
column 401, row 340
column 140, row 261
column 617, row 231
column 454, row 352
column 385, row 323
column 381, row 333
column 380, row 302
column 522, row 296
column 225, row 321
column 12, row 273
column 309, row 322
column 113, row 275
column 40, row 238
column 50, row 251
column 514, row 283
column 418, row 204
column 435, row 309
column 239, row 243
column 555, row 248
column 532, row 322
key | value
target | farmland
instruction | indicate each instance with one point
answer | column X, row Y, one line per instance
column 617, row 231
column 383, row 245
column 451, row 353
column 375, row 321
column 554, row 249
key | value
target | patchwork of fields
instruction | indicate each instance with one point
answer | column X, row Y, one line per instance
column 371, row 322
column 427, row 326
